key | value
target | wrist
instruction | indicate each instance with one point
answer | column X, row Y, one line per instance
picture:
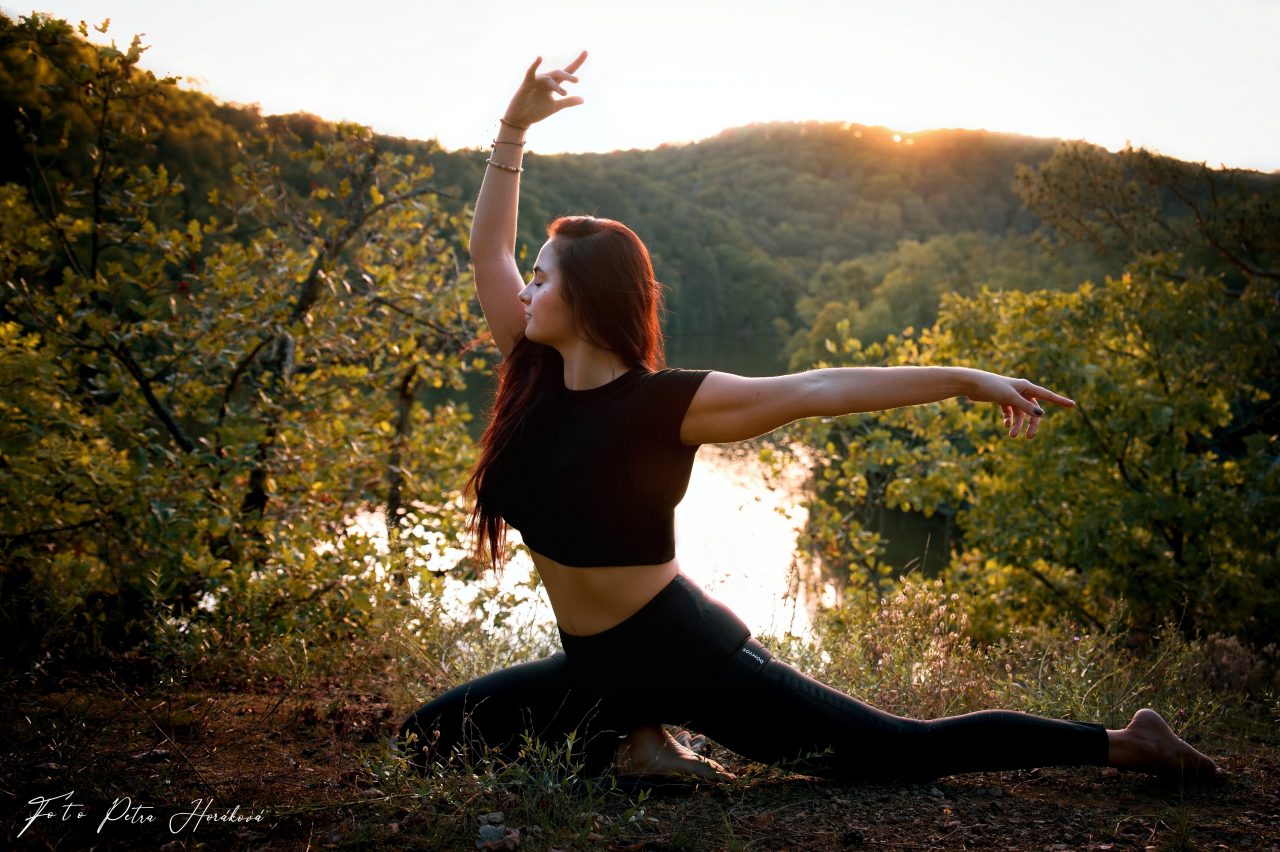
column 962, row 380
column 509, row 133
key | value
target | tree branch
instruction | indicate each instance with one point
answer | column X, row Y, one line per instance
column 166, row 417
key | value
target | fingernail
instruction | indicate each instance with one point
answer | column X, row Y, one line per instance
column 1039, row 412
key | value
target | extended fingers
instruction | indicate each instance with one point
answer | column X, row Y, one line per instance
column 567, row 102
column 1056, row 398
column 576, row 64
column 1015, row 421
column 1022, row 408
column 555, row 78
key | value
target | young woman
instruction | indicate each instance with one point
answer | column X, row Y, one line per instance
column 588, row 453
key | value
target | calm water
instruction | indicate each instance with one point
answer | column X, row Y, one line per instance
column 746, row 356
column 735, row 537
column 735, row 529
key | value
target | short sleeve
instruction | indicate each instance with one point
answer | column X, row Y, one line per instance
column 667, row 397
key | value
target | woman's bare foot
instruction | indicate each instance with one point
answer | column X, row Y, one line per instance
column 1148, row 744
column 651, row 751
column 696, row 743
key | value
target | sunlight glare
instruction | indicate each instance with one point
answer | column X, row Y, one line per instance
column 680, row 72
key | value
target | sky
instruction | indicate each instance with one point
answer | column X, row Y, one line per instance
column 1192, row 79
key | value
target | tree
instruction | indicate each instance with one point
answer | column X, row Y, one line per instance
column 192, row 407
column 1134, row 204
column 1162, row 487
column 882, row 294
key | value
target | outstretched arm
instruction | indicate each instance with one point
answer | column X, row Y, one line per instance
column 493, row 225
column 733, row 408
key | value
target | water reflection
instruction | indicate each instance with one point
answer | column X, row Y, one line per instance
column 735, row 536
column 735, row 530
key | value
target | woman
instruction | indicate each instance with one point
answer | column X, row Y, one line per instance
column 589, row 451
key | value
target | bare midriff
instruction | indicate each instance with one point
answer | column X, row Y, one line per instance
column 591, row 600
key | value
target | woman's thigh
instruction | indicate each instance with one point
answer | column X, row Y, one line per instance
column 777, row 714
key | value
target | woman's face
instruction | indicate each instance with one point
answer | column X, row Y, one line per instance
column 548, row 318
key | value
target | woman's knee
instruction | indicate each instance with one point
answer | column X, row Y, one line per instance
column 422, row 737
column 487, row 714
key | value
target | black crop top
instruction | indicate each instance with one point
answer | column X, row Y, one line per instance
column 594, row 477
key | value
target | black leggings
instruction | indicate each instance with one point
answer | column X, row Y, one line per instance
column 685, row 659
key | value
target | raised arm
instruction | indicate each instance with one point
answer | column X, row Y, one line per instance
column 493, row 226
column 733, row 408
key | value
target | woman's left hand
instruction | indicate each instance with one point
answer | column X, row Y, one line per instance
column 1019, row 399
column 535, row 99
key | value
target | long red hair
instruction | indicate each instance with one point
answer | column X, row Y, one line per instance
column 616, row 304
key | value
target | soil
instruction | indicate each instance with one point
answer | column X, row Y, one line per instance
column 124, row 768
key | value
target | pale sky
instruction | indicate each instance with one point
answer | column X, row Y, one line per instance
column 1193, row 79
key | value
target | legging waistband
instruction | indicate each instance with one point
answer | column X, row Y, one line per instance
column 681, row 623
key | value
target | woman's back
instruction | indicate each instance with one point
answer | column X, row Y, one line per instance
column 587, row 601
column 591, row 480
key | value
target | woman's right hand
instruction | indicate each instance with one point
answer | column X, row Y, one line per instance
column 535, row 99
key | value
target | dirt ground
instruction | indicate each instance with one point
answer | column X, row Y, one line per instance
column 90, row 763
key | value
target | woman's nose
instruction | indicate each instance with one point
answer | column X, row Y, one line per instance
column 525, row 296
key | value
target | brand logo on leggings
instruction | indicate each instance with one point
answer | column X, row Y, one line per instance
column 753, row 655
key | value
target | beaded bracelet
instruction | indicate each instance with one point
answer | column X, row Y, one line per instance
column 504, row 166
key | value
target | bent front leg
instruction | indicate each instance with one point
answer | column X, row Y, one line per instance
column 493, row 714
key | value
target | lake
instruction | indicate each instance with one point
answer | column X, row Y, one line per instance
column 736, row 528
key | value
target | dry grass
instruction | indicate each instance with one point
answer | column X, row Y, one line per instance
column 301, row 736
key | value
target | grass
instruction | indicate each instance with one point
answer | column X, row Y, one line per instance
column 299, row 729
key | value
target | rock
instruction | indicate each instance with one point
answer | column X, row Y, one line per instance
column 498, row 837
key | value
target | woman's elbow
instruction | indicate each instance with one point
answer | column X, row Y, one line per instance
column 813, row 394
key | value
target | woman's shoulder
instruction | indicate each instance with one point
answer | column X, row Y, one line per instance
column 672, row 380
column 665, row 396
column 674, row 374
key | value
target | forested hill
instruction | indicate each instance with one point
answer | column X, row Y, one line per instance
column 739, row 224
column 809, row 191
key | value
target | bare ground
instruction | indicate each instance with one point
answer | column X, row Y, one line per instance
column 303, row 769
